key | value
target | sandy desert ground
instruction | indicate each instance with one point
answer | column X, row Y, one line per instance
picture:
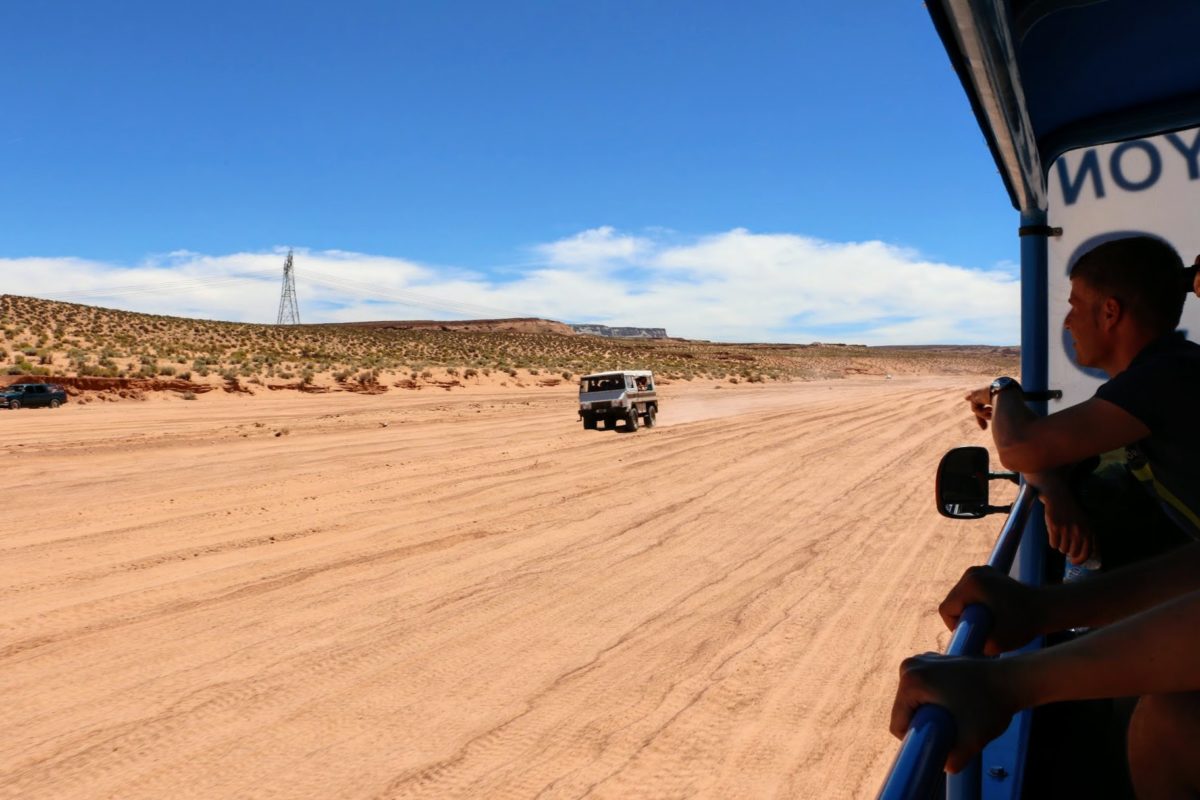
column 467, row 595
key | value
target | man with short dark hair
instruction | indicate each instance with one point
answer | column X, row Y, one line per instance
column 1125, row 304
column 1142, row 273
column 1126, row 300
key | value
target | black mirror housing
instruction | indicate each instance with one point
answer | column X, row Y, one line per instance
column 962, row 484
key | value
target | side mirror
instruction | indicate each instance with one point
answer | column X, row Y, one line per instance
column 962, row 484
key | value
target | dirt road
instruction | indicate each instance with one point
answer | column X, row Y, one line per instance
column 467, row 595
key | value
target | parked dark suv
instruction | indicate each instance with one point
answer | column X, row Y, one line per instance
column 32, row 394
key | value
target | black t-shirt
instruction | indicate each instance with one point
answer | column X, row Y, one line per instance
column 1161, row 387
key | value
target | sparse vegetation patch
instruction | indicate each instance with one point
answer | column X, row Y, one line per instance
column 46, row 338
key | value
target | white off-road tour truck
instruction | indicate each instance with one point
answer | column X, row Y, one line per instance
column 628, row 396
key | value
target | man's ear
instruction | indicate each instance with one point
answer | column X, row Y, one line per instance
column 1111, row 312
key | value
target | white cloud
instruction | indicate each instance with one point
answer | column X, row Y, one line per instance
column 593, row 247
column 734, row 286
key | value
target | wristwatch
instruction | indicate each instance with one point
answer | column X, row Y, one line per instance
column 1000, row 384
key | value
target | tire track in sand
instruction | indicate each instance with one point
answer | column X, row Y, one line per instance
column 483, row 609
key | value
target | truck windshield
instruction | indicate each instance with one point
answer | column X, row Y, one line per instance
column 604, row 383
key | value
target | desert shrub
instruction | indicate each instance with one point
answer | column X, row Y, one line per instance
column 185, row 375
column 566, row 373
column 166, row 370
column 534, row 371
column 452, row 371
column 188, row 395
column 470, row 372
column 426, row 374
column 306, row 377
column 341, row 375
column 366, row 377
column 90, row 370
column 287, row 376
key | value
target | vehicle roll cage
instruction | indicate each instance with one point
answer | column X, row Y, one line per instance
column 918, row 764
column 1044, row 77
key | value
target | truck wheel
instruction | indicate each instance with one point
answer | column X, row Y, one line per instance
column 54, row 404
column 589, row 423
column 14, row 403
column 649, row 418
column 631, row 421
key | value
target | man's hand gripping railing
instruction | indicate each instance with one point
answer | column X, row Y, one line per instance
column 918, row 765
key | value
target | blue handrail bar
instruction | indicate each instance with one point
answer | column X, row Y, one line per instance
column 918, row 764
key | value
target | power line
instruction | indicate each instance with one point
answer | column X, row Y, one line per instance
column 171, row 286
column 407, row 297
column 365, row 290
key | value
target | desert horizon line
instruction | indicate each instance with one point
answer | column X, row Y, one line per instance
column 433, row 322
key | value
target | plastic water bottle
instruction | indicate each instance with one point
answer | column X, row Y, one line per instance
column 1080, row 572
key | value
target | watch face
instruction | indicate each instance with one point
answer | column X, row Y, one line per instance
column 1000, row 384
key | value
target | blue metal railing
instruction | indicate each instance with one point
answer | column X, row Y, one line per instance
column 918, row 765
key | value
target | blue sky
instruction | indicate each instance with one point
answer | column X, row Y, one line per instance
column 551, row 158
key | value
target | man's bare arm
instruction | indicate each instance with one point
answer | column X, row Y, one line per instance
column 1110, row 597
column 1028, row 443
column 1021, row 612
column 1154, row 652
column 1066, row 523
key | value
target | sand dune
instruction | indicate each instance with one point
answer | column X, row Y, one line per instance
column 468, row 595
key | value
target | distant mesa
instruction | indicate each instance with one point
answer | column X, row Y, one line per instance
column 621, row 333
column 835, row 344
column 511, row 325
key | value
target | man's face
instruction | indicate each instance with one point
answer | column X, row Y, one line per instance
column 1083, row 321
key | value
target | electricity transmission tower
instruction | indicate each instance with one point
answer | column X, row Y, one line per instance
column 289, row 312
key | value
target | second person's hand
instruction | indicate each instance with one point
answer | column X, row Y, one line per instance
column 1017, row 609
